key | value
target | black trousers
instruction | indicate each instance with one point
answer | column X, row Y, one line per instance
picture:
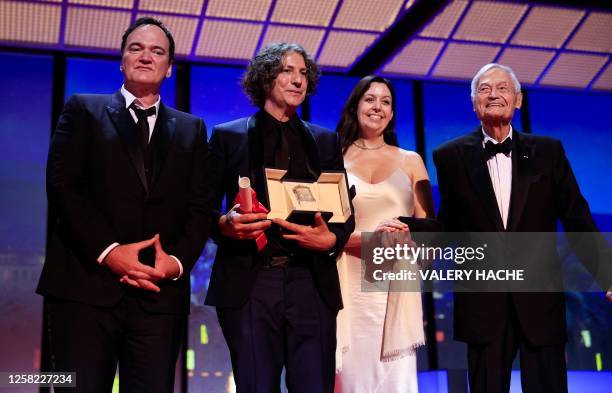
column 543, row 368
column 91, row 340
column 283, row 324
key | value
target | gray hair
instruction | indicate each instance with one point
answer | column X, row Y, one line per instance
column 515, row 81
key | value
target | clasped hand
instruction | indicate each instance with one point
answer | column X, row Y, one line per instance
column 391, row 225
column 393, row 232
column 123, row 261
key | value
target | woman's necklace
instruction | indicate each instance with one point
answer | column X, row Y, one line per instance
column 364, row 147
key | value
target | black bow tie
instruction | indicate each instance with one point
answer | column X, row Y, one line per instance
column 495, row 148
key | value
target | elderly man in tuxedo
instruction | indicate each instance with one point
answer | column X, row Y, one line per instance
column 498, row 179
column 277, row 306
column 126, row 180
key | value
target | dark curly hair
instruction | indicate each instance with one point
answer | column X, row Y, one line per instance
column 149, row 21
column 267, row 64
column 348, row 126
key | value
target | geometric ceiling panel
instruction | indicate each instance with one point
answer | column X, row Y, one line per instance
column 183, row 30
column 574, row 70
column 547, row 27
column 107, row 3
column 27, row 22
column 239, row 9
column 462, row 61
column 95, row 28
column 367, row 14
column 443, row 24
column 604, row 82
column 554, row 42
column 342, row 48
column 490, row 21
column 416, row 58
column 527, row 64
column 594, row 34
column 304, row 12
column 189, row 7
column 309, row 38
column 228, row 40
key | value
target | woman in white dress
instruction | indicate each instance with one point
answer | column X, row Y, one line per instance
column 378, row 331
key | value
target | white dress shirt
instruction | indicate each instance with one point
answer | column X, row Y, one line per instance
column 129, row 99
column 500, row 171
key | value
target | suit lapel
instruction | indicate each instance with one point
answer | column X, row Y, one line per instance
column 480, row 178
column 163, row 134
column 124, row 124
column 313, row 162
column 255, row 160
column 523, row 174
column 165, row 127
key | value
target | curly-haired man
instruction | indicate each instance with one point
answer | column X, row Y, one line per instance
column 277, row 307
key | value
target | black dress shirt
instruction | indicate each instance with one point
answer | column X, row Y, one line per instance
column 292, row 157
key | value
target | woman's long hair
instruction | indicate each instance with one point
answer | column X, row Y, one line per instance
column 348, row 126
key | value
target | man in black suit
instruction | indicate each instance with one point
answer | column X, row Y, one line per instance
column 277, row 306
column 497, row 179
column 126, row 180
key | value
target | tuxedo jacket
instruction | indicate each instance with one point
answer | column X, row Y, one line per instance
column 236, row 149
column 98, row 194
column 544, row 190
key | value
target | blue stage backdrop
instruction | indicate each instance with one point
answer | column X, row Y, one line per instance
column 326, row 105
column 25, row 126
column 577, row 118
column 217, row 97
column 581, row 122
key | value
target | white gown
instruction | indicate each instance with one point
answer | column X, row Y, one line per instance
column 362, row 370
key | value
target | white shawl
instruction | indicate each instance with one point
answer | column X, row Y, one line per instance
column 403, row 324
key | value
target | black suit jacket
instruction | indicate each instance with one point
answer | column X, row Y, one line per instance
column 236, row 149
column 98, row 192
column 544, row 190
